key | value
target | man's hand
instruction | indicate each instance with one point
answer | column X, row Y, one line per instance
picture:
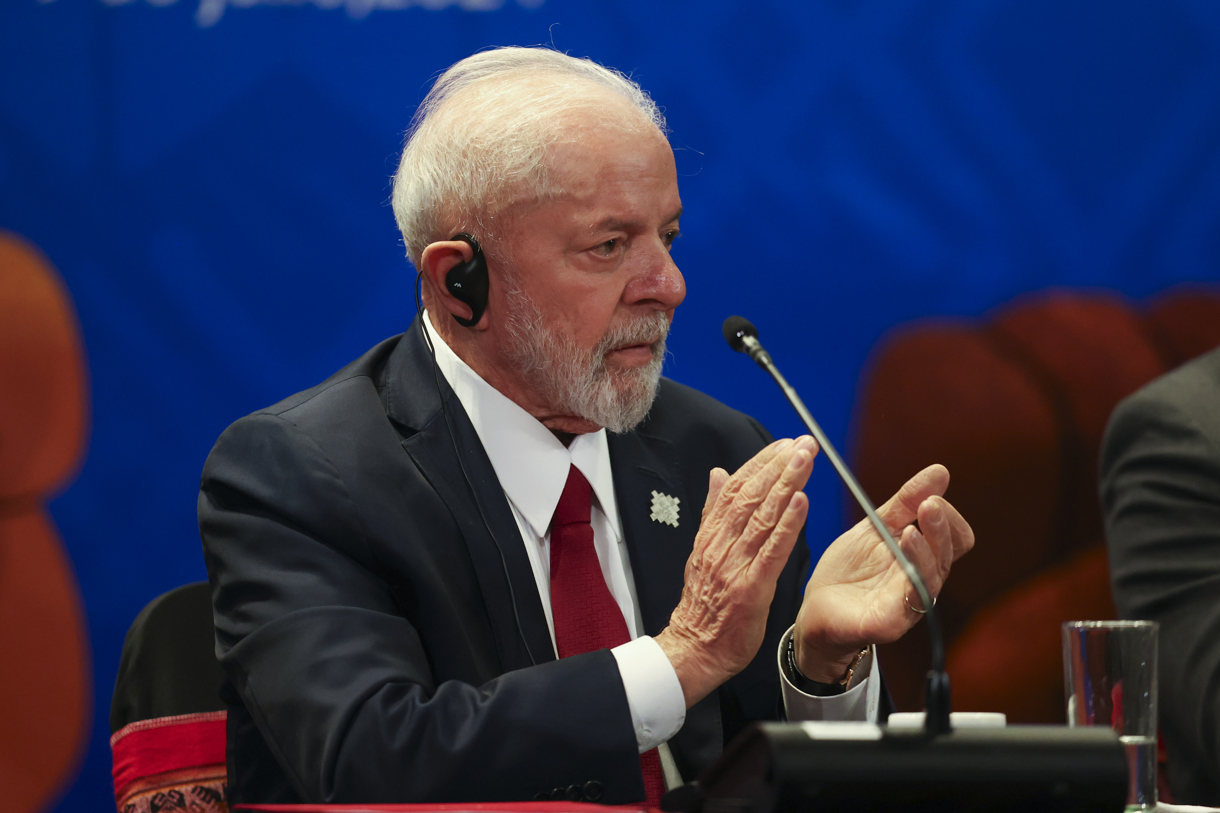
column 750, row 522
column 858, row 594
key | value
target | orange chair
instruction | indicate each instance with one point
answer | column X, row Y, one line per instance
column 1015, row 405
column 44, row 410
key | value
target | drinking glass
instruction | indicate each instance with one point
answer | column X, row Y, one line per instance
column 1109, row 672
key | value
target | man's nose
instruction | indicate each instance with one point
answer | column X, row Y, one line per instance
column 658, row 280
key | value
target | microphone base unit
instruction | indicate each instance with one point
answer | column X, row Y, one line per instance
column 809, row 768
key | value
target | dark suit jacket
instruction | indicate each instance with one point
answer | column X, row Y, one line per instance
column 1161, row 491
column 380, row 645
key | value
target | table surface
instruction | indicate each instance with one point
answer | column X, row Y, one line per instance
column 537, row 807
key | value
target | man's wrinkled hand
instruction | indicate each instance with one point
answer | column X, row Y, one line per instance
column 750, row 522
column 858, row 594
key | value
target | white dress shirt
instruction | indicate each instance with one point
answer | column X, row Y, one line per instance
column 532, row 466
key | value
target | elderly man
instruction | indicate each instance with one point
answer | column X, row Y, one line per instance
column 436, row 575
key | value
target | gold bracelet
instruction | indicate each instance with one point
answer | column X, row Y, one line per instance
column 845, row 681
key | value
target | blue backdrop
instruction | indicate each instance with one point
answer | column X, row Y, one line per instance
column 211, row 178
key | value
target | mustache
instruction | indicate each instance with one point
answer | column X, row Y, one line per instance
column 651, row 329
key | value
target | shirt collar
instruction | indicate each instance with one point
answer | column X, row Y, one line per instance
column 530, row 462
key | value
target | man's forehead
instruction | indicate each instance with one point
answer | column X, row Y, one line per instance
column 586, row 165
column 605, row 209
column 579, row 166
column 602, row 176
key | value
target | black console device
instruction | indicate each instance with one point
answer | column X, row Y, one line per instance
column 780, row 768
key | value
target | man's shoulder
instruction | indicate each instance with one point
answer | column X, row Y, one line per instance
column 684, row 414
column 1190, row 392
column 367, row 371
column 349, row 407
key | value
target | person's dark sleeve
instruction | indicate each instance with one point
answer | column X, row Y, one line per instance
column 338, row 680
column 1160, row 488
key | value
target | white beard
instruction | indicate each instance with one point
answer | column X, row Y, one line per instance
column 578, row 382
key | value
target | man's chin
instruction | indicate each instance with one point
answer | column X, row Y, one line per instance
column 616, row 393
column 635, row 390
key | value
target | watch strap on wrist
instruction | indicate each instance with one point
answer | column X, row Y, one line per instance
column 816, row 688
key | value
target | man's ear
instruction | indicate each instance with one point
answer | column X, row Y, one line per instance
column 435, row 263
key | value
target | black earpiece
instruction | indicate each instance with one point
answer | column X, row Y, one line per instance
column 467, row 282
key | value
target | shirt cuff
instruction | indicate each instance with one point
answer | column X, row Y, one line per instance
column 857, row 703
column 654, row 695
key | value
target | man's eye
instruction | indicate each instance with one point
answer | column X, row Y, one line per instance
column 607, row 248
column 672, row 235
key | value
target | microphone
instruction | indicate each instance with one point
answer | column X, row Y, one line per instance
column 742, row 336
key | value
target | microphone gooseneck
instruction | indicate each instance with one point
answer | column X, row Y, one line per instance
column 742, row 336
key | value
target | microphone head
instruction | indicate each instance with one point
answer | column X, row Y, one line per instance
column 735, row 329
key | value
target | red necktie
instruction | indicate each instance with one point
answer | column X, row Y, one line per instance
column 586, row 616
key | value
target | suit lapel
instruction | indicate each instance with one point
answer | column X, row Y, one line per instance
column 475, row 498
column 644, row 464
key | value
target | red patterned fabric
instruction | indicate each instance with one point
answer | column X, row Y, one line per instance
column 171, row 764
column 586, row 616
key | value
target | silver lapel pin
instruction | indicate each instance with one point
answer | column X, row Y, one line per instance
column 664, row 509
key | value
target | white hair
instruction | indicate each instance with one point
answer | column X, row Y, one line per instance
column 481, row 137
